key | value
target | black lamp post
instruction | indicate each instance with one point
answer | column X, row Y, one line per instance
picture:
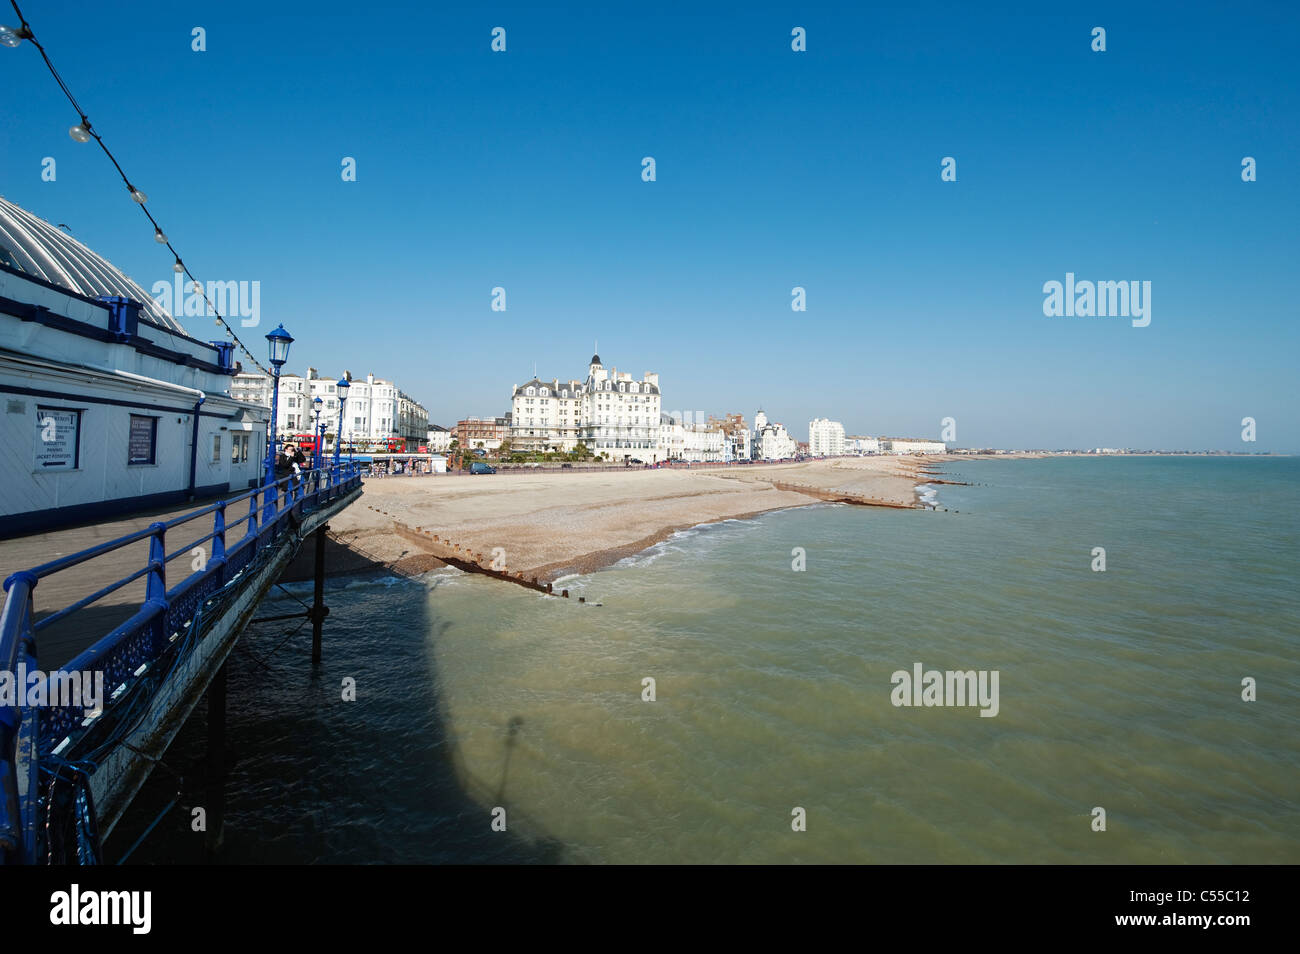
column 278, row 342
column 318, row 453
column 343, row 386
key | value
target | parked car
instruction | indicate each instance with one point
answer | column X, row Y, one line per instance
column 566, row 467
column 636, row 460
column 478, row 467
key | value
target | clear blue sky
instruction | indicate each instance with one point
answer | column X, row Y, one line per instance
column 775, row 169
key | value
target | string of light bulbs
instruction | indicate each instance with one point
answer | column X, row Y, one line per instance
column 84, row 132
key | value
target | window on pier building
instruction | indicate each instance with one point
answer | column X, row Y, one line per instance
column 216, row 448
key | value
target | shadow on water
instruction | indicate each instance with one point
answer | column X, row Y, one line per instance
column 512, row 731
column 316, row 778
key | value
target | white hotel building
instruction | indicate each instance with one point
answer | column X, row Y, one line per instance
column 771, row 441
column 862, row 446
column 609, row 412
column 825, row 438
column 696, row 442
column 439, row 439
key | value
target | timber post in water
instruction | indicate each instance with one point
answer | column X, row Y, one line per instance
column 318, row 610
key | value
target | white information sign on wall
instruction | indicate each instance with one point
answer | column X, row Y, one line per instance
column 58, row 434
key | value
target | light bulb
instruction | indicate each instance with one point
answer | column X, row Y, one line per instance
column 80, row 133
column 159, row 237
column 10, row 37
column 178, row 267
column 137, row 195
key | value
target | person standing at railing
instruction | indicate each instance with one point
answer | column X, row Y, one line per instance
column 298, row 461
column 290, row 462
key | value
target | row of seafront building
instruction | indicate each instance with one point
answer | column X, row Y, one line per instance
column 111, row 405
column 826, row 438
column 619, row 417
column 377, row 414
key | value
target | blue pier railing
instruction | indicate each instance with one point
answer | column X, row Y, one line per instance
column 36, row 739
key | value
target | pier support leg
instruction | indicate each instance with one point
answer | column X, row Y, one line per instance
column 216, row 773
column 318, row 610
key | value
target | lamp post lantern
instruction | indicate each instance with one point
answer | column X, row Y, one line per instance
column 343, row 386
column 278, row 342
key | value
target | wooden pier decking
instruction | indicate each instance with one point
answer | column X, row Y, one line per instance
column 62, row 642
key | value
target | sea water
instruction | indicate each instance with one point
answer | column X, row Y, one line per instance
column 714, row 702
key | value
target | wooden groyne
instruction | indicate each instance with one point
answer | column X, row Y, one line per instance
column 464, row 557
column 839, row 496
column 935, row 477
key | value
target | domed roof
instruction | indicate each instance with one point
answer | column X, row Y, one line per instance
column 32, row 245
column 595, row 359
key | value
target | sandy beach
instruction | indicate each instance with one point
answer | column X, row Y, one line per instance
column 550, row 524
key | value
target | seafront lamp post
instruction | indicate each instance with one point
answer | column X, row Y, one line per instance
column 343, row 386
column 278, row 342
column 318, row 453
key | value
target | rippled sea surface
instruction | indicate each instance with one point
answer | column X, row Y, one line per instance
column 1119, row 689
